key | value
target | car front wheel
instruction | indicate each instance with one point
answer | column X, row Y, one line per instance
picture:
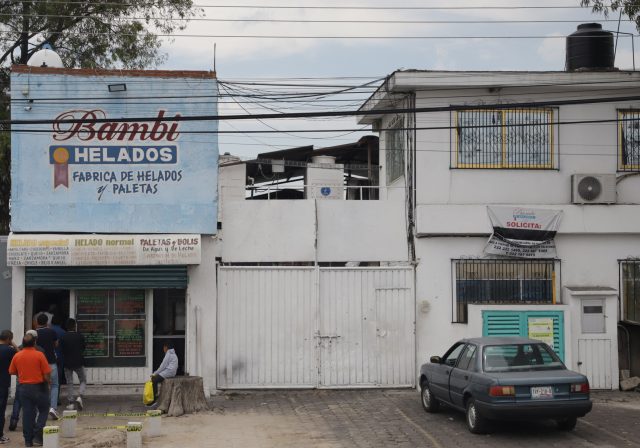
column 567, row 424
column 476, row 423
column 429, row 402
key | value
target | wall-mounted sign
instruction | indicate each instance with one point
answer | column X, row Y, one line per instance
column 96, row 334
column 523, row 232
column 92, row 303
column 102, row 250
column 541, row 328
column 89, row 172
column 129, row 302
column 129, row 340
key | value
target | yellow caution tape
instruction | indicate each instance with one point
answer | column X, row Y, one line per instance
column 104, row 428
column 50, row 430
column 115, row 414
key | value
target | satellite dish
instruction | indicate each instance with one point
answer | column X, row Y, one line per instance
column 589, row 188
column 45, row 58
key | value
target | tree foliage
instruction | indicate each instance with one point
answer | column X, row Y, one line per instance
column 86, row 34
column 629, row 8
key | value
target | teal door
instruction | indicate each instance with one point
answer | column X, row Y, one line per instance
column 525, row 324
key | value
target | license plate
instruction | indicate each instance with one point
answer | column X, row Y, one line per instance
column 541, row 392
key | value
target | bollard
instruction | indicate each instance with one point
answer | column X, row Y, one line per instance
column 154, row 420
column 134, row 435
column 50, row 436
column 69, row 423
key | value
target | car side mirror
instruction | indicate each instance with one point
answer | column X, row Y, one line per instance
column 436, row 360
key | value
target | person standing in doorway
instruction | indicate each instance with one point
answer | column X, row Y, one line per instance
column 56, row 325
column 7, row 350
column 72, row 347
column 34, row 375
column 168, row 368
column 48, row 340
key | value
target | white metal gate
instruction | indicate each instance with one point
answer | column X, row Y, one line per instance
column 309, row 327
column 594, row 361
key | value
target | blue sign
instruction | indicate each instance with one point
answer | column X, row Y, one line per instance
column 90, row 172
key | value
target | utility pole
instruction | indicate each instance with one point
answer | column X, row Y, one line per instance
column 24, row 35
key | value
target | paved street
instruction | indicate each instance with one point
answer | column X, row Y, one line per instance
column 395, row 418
column 361, row 418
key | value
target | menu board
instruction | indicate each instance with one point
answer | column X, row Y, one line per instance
column 130, row 302
column 129, row 341
column 92, row 302
column 96, row 333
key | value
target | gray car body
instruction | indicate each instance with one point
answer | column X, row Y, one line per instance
column 454, row 386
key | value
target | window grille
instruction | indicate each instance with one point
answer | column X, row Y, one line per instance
column 629, row 140
column 511, row 138
column 498, row 281
column 630, row 285
column 394, row 151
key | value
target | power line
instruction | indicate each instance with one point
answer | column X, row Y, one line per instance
column 501, row 106
column 333, row 21
column 318, row 37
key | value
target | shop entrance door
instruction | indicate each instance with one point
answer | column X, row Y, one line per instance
column 53, row 301
column 169, row 324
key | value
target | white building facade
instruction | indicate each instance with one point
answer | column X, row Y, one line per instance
column 519, row 141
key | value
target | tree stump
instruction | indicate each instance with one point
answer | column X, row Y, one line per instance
column 182, row 395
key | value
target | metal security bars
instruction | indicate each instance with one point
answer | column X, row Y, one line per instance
column 630, row 286
column 395, row 149
column 501, row 281
column 629, row 140
column 508, row 139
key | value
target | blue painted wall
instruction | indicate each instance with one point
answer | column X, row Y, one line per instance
column 144, row 177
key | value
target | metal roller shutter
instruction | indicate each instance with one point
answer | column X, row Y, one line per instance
column 100, row 277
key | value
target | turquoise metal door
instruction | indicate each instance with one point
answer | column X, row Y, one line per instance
column 518, row 323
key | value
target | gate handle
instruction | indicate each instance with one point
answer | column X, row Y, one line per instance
column 579, row 363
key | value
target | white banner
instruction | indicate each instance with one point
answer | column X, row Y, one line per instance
column 102, row 250
column 523, row 232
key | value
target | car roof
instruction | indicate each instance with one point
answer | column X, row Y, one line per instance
column 501, row 340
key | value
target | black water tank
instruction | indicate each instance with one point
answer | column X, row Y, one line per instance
column 590, row 48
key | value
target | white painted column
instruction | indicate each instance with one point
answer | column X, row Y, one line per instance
column 201, row 328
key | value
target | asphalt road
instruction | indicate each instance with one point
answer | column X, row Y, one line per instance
column 395, row 418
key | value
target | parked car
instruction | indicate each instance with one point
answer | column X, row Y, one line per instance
column 504, row 378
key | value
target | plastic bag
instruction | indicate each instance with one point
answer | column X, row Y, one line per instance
column 147, row 394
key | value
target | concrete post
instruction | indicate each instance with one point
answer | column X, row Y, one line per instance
column 134, row 435
column 154, row 423
column 50, row 436
column 69, row 423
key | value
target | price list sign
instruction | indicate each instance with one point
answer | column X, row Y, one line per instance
column 92, row 303
column 129, row 341
column 130, row 302
column 95, row 334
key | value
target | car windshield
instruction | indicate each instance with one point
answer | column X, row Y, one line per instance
column 519, row 357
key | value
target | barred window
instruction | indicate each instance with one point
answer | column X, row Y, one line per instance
column 500, row 281
column 394, row 150
column 629, row 140
column 630, row 283
column 514, row 138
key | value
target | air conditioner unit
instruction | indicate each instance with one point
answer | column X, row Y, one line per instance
column 593, row 188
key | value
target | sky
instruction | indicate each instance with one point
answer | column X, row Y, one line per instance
column 337, row 54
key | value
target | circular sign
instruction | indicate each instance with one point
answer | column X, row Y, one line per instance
column 325, row 191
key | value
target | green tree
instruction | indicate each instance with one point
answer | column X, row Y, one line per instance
column 629, row 8
column 86, row 34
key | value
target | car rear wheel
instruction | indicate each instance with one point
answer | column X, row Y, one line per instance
column 476, row 423
column 567, row 424
column 429, row 402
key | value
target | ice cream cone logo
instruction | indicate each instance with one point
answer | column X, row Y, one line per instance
column 61, row 167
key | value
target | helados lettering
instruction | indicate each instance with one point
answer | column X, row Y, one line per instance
column 86, row 129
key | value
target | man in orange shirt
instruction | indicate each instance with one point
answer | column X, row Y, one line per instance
column 34, row 375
